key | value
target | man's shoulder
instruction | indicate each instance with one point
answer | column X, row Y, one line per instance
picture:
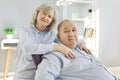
column 54, row 53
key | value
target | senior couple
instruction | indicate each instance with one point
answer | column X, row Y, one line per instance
column 66, row 60
column 56, row 66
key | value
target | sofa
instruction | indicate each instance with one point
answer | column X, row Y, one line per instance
column 115, row 70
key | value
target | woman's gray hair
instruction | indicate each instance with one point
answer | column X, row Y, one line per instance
column 44, row 7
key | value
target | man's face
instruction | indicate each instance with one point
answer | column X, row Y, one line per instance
column 67, row 34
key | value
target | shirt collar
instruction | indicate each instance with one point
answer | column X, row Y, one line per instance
column 37, row 31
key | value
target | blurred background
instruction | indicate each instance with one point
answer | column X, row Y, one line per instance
column 103, row 20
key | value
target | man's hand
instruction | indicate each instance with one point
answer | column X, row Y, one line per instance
column 83, row 47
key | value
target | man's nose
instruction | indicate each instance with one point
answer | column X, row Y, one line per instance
column 71, row 33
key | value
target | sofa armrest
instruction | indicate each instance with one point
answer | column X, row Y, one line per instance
column 115, row 71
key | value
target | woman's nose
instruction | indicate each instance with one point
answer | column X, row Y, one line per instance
column 45, row 16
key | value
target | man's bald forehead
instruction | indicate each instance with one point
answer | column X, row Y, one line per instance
column 65, row 21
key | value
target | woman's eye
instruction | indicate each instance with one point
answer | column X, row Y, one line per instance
column 49, row 16
column 43, row 13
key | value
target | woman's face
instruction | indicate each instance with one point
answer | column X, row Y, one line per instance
column 44, row 18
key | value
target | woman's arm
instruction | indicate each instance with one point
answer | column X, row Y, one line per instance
column 63, row 49
column 30, row 46
column 82, row 46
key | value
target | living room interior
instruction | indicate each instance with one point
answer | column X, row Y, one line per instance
column 98, row 23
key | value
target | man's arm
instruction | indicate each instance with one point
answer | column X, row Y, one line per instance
column 49, row 68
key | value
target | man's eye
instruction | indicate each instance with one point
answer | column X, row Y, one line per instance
column 74, row 30
column 65, row 31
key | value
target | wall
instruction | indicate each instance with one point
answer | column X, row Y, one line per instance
column 17, row 13
column 109, row 31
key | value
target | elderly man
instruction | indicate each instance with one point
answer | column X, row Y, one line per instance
column 56, row 66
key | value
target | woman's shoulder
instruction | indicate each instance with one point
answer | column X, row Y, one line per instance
column 25, row 29
column 53, row 31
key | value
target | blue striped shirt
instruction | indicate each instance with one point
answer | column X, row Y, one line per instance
column 31, row 42
column 55, row 66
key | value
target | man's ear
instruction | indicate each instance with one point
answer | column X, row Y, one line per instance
column 58, row 36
